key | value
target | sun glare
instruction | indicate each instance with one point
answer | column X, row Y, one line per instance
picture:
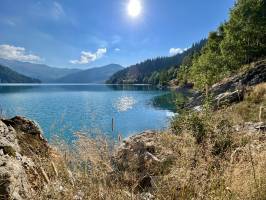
column 134, row 8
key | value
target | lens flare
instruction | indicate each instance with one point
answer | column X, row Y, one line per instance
column 134, row 8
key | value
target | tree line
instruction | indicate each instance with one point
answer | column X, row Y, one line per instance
column 238, row 41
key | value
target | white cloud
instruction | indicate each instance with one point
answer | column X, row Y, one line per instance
column 117, row 49
column 174, row 51
column 88, row 57
column 17, row 53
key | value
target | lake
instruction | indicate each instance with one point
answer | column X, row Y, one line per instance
column 64, row 109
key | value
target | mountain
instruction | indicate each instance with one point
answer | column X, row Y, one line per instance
column 9, row 76
column 38, row 71
column 141, row 72
column 93, row 75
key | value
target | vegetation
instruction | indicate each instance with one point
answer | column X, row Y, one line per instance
column 210, row 158
column 9, row 76
column 214, row 154
column 205, row 155
column 154, row 71
column 238, row 41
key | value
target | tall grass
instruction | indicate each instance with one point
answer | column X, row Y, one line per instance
column 207, row 155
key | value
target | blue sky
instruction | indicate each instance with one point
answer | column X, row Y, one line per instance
column 90, row 33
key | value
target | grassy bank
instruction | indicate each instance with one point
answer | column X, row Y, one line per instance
column 206, row 155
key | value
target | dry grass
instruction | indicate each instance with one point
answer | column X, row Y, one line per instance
column 252, row 109
column 258, row 94
column 83, row 170
column 222, row 164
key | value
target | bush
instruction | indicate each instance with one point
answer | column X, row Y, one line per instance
column 223, row 139
column 198, row 128
column 192, row 122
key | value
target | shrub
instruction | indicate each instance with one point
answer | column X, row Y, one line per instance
column 223, row 139
column 192, row 122
column 198, row 128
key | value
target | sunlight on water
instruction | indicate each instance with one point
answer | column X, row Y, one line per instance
column 125, row 103
column 64, row 109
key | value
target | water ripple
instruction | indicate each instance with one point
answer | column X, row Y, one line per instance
column 124, row 103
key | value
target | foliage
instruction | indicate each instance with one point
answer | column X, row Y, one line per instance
column 153, row 71
column 183, row 72
column 208, row 68
column 193, row 123
column 239, row 41
column 244, row 34
column 223, row 138
column 207, row 159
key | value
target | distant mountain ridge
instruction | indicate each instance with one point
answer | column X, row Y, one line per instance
column 9, row 76
column 141, row 72
column 42, row 72
column 93, row 75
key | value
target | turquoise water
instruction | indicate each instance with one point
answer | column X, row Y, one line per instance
column 64, row 109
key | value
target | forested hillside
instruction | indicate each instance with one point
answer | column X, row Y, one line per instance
column 239, row 41
column 149, row 70
column 9, row 76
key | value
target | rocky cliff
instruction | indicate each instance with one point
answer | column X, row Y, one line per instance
column 26, row 160
column 232, row 89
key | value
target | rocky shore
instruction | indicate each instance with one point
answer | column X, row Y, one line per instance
column 28, row 164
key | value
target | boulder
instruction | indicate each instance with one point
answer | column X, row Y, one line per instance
column 251, row 127
column 23, row 151
column 139, row 159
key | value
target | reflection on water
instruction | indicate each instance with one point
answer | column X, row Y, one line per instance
column 171, row 100
column 124, row 103
column 11, row 88
column 65, row 109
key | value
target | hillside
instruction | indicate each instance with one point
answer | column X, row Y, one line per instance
column 142, row 72
column 9, row 76
column 93, row 75
column 38, row 71
column 232, row 46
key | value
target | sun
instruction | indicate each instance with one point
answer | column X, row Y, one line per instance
column 134, row 8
